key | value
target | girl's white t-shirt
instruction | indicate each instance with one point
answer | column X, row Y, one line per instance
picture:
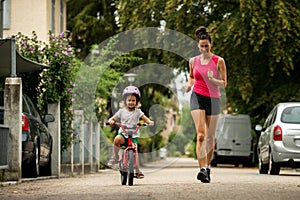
column 129, row 118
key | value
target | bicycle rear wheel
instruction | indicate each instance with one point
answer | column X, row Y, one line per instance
column 130, row 167
column 123, row 173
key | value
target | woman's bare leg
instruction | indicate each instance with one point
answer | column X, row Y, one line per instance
column 212, row 121
column 199, row 118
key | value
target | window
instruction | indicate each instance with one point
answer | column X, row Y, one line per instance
column 291, row 115
column 53, row 16
column 6, row 14
column 61, row 15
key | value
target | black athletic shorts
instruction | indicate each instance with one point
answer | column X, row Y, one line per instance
column 210, row 105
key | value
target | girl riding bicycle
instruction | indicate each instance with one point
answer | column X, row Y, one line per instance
column 129, row 116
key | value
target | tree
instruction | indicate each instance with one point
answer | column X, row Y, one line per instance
column 259, row 40
column 260, row 44
column 90, row 22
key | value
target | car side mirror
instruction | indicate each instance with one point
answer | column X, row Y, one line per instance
column 49, row 118
column 258, row 127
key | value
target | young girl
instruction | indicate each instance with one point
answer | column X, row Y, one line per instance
column 129, row 116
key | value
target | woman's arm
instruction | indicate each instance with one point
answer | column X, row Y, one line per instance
column 191, row 76
column 222, row 82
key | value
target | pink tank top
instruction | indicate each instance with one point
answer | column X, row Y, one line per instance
column 202, row 85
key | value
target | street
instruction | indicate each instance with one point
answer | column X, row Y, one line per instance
column 172, row 178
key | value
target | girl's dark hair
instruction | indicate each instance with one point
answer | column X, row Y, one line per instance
column 201, row 33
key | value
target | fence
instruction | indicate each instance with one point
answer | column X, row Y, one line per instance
column 84, row 154
column 4, row 146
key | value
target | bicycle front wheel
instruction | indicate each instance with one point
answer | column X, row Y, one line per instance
column 130, row 167
column 123, row 177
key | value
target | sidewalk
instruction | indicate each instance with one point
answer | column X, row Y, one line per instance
column 169, row 162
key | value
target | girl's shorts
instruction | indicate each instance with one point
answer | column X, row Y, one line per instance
column 134, row 140
column 210, row 105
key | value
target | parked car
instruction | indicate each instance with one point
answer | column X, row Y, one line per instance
column 234, row 140
column 279, row 141
column 36, row 139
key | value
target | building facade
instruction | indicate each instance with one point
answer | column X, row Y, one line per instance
column 40, row 16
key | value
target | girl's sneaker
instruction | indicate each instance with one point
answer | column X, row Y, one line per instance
column 113, row 160
column 139, row 174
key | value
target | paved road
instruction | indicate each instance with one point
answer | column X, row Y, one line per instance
column 169, row 179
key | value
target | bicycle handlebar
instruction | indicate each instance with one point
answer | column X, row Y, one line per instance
column 119, row 124
column 125, row 128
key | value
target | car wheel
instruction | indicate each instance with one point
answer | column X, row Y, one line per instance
column 274, row 166
column 263, row 168
column 249, row 162
column 46, row 170
column 33, row 167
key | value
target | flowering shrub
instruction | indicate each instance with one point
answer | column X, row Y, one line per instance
column 55, row 83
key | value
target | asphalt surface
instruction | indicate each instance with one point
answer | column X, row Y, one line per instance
column 171, row 178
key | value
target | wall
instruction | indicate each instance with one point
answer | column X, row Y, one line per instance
column 34, row 15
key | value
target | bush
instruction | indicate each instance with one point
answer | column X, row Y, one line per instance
column 55, row 83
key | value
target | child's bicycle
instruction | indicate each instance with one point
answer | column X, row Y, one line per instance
column 129, row 159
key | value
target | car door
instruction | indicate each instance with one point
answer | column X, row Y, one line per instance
column 266, row 135
column 41, row 129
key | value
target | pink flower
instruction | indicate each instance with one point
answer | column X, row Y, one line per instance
column 62, row 34
column 30, row 48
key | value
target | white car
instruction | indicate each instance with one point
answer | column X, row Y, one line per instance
column 279, row 141
column 234, row 140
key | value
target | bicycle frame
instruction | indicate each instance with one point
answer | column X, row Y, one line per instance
column 130, row 132
column 129, row 159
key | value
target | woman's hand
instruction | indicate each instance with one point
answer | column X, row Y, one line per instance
column 187, row 88
column 210, row 74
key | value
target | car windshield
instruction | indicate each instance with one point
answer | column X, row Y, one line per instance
column 291, row 115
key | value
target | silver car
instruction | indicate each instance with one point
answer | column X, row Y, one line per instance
column 279, row 141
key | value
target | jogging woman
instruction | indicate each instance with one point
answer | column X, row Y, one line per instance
column 207, row 75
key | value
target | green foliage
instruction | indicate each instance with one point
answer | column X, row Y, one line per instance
column 90, row 22
column 180, row 140
column 97, row 77
column 105, row 146
column 259, row 40
column 260, row 43
column 135, row 14
column 55, row 83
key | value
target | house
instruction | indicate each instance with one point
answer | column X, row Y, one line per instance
column 34, row 15
column 24, row 16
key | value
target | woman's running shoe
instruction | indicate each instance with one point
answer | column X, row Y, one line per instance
column 203, row 176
